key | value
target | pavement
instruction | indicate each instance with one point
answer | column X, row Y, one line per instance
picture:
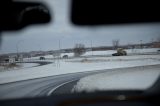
column 47, row 86
column 37, row 87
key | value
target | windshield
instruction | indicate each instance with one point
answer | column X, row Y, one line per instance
column 60, row 57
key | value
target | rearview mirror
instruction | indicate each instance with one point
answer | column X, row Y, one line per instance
column 15, row 15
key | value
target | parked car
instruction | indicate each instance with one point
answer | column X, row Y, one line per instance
column 65, row 56
column 42, row 58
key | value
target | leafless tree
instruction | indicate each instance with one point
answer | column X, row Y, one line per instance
column 115, row 43
column 79, row 50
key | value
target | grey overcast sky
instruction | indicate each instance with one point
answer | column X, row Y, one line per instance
column 46, row 37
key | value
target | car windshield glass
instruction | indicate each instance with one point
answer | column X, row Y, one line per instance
column 59, row 57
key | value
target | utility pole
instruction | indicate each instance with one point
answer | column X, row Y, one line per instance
column 17, row 48
column 91, row 48
column 141, row 43
column 59, row 57
column 59, row 45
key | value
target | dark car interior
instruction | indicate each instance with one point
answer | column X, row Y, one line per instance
column 17, row 15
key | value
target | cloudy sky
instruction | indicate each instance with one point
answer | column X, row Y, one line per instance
column 47, row 37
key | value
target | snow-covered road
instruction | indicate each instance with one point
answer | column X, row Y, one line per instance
column 40, row 86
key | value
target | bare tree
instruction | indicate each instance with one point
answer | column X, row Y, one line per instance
column 79, row 50
column 115, row 43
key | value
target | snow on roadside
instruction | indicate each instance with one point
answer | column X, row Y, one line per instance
column 119, row 79
column 20, row 66
column 129, row 51
column 63, row 67
column 106, row 52
column 37, row 57
column 142, row 51
column 50, row 56
column 116, row 58
column 28, row 65
column 102, row 53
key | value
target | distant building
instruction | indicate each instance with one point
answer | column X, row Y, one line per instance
column 7, row 59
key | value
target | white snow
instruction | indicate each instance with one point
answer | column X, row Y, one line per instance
column 69, row 54
column 38, row 57
column 21, row 66
column 49, row 56
column 106, row 52
column 119, row 79
column 102, row 53
column 28, row 65
column 141, row 51
column 64, row 66
column 142, row 59
column 129, row 51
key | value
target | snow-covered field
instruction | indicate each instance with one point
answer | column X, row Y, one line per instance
column 82, row 64
column 50, row 56
column 28, row 65
column 129, row 51
column 106, row 52
column 119, row 79
column 65, row 66
column 20, row 66
column 141, row 51
column 102, row 53
column 119, row 59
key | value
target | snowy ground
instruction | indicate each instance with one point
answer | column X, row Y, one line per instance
column 104, row 53
column 129, row 51
column 119, row 59
column 28, row 65
column 20, row 66
column 64, row 66
column 50, row 56
column 82, row 64
column 117, row 79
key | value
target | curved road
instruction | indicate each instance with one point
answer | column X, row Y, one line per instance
column 47, row 86
column 38, row 87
